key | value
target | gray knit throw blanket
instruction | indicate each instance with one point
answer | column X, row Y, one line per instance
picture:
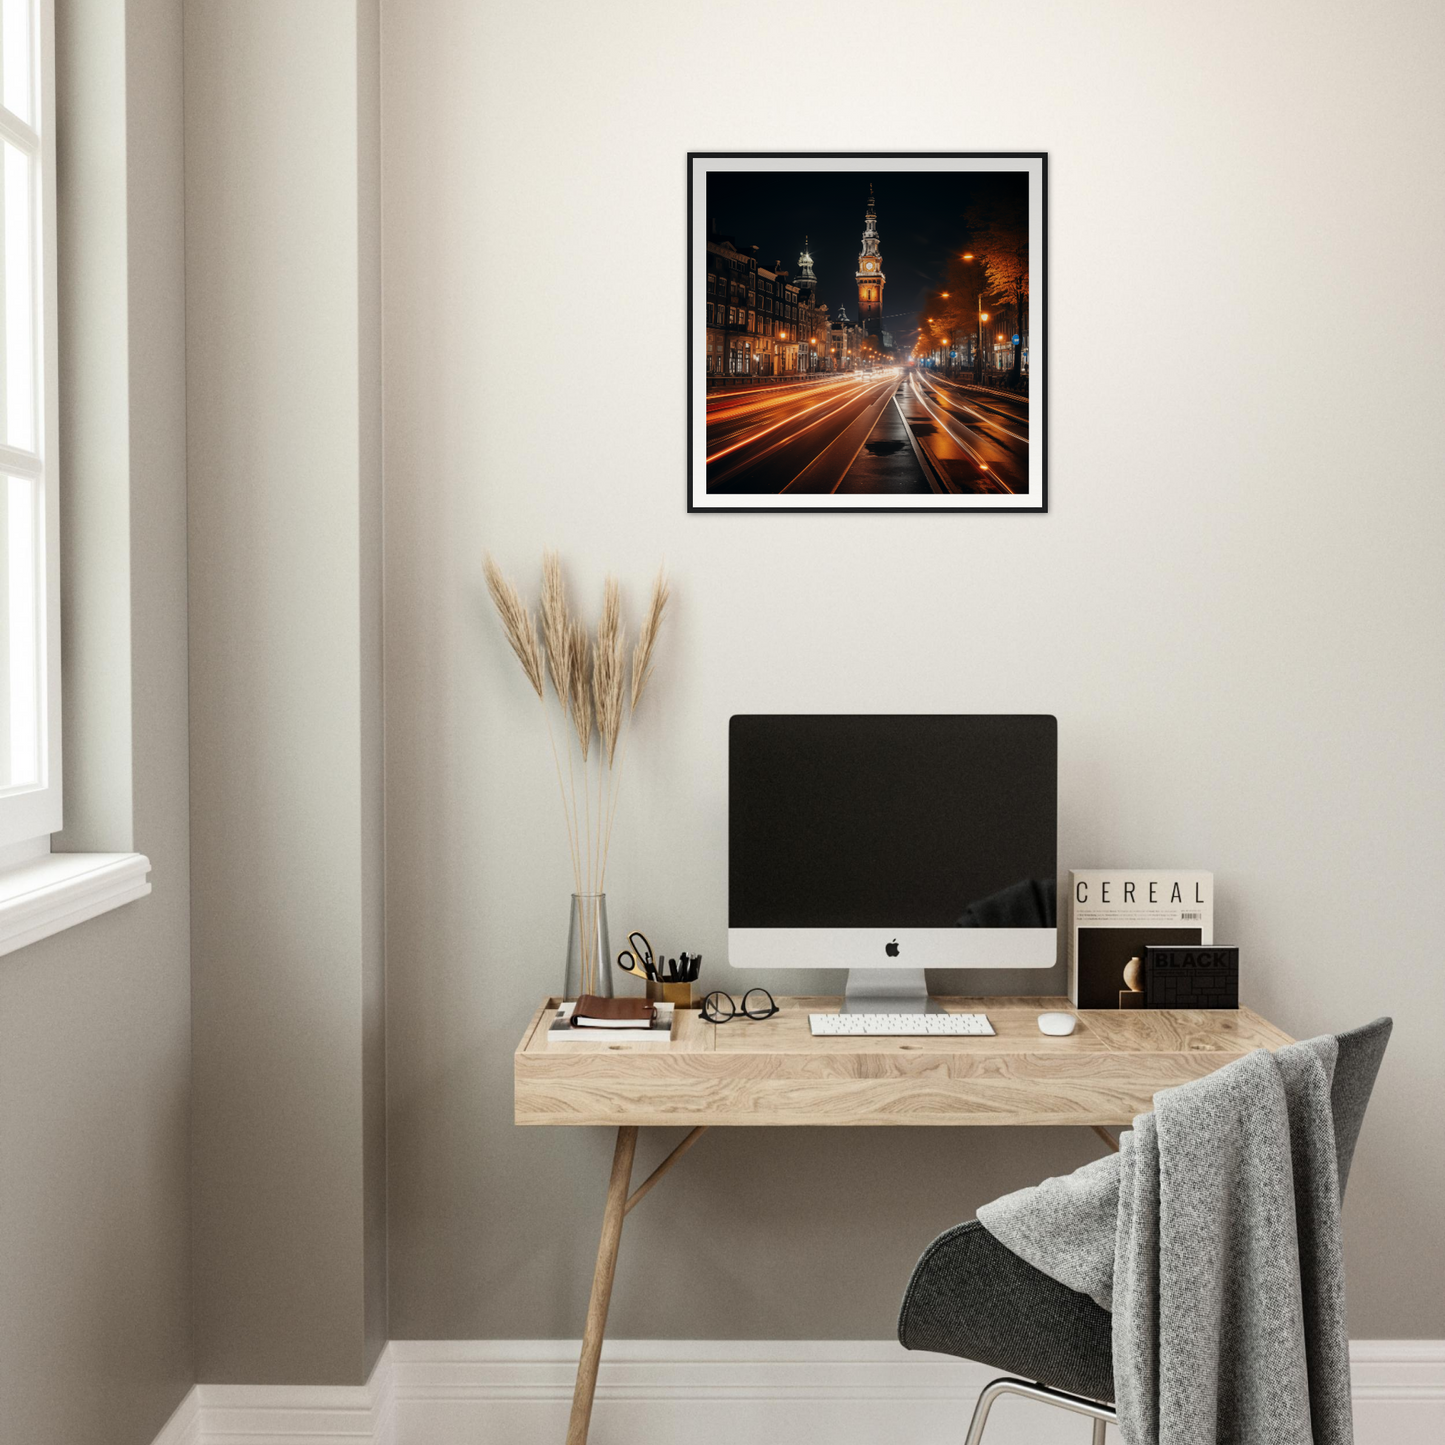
column 1214, row 1237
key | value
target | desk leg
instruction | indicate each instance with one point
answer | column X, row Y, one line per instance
column 612, row 1216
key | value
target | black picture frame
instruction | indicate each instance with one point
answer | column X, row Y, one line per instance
column 1037, row 397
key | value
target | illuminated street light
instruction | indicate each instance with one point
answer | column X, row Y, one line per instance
column 968, row 255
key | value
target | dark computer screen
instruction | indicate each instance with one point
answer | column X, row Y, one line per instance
column 916, row 821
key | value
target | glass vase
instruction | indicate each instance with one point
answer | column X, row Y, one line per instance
column 589, row 951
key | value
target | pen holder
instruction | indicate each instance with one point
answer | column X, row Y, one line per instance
column 679, row 994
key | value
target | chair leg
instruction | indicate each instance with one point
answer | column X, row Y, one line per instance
column 980, row 1411
column 1099, row 1413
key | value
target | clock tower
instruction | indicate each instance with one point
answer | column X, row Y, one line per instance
column 870, row 277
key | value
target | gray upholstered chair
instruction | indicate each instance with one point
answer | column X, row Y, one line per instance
column 972, row 1297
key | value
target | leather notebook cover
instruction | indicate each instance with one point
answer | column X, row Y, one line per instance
column 594, row 1012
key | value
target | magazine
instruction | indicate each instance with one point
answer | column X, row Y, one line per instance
column 1114, row 913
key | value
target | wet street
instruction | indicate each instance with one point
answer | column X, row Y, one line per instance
column 887, row 431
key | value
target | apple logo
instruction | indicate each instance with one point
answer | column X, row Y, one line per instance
column 891, row 949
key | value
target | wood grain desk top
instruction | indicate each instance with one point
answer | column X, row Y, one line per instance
column 773, row 1072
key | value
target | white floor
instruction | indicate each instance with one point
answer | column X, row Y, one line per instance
column 716, row 1392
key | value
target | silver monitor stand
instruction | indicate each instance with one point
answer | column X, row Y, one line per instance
column 887, row 991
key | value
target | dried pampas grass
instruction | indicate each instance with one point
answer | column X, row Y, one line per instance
column 579, row 685
column 609, row 670
column 516, row 622
column 555, row 633
column 589, row 682
column 647, row 637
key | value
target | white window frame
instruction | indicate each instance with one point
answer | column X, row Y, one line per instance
column 42, row 892
column 30, row 814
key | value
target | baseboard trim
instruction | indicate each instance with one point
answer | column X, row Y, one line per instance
column 658, row 1392
column 287, row 1414
column 544, row 1370
column 184, row 1427
column 1399, row 1371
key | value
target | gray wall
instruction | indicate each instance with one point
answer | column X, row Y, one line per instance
column 369, row 679
column 1234, row 606
column 95, row 1344
column 283, row 378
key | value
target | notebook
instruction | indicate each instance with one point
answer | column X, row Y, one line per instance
column 593, row 1012
column 561, row 1032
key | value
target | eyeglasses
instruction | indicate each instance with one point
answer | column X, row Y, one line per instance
column 719, row 1008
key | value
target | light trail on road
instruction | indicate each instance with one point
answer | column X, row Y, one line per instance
column 888, row 430
column 796, row 439
column 991, row 479
column 982, row 419
column 769, row 405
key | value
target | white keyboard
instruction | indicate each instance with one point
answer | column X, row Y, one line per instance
column 912, row 1026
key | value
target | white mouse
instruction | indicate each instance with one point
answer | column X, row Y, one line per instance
column 1057, row 1023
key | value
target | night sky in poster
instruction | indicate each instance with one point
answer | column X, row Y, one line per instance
column 923, row 218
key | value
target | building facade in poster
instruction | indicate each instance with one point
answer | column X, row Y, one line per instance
column 870, row 277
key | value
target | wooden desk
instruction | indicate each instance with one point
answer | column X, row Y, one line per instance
column 773, row 1072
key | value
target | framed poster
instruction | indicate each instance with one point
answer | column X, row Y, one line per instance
column 867, row 333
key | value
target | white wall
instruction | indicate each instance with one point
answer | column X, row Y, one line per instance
column 1234, row 605
column 284, row 520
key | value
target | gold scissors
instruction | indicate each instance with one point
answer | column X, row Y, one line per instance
column 637, row 958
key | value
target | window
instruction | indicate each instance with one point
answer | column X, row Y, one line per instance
column 41, row 892
column 29, row 546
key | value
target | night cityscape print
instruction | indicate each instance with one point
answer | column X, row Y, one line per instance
column 864, row 337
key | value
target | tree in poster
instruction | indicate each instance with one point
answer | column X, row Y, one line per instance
column 1000, row 245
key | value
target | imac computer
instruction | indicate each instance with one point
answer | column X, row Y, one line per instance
column 890, row 844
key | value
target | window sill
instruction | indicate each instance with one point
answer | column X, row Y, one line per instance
column 59, row 890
